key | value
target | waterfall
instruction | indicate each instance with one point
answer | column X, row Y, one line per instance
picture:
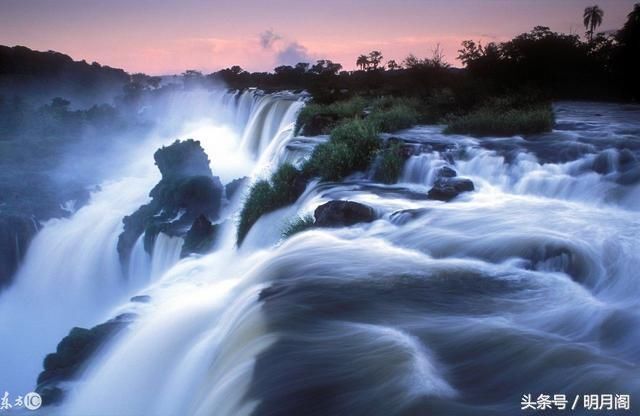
column 166, row 253
column 526, row 285
column 71, row 274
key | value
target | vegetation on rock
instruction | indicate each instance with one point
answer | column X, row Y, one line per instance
column 389, row 164
column 498, row 121
column 285, row 186
column 298, row 225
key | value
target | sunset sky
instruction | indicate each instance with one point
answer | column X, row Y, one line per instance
column 165, row 37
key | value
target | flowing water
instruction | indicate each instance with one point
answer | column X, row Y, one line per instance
column 527, row 285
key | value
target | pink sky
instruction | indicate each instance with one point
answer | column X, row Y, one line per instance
column 165, row 37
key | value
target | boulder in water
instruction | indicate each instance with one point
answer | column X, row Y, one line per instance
column 72, row 354
column 447, row 172
column 342, row 213
column 141, row 299
column 626, row 160
column 445, row 189
column 605, row 162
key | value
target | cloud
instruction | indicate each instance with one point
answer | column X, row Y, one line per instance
column 268, row 38
column 284, row 51
column 292, row 54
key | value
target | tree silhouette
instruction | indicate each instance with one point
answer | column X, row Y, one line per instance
column 592, row 19
column 627, row 56
column 437, row 58
column 362, row 62
column 393, row 65
column 375, row 57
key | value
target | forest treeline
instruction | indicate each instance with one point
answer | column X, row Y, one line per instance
column 602, row 66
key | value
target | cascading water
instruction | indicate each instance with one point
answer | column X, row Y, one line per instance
column 71, row 274
column 526, row 285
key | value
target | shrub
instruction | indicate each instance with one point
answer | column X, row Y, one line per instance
column 259, row 201
column 331, row 161
column 321, row 118
column 398, row 117
column 298, row 225
column 389, row 164
column 350, row 148
column 388, row 101
column 285, row 186
column 495, row 121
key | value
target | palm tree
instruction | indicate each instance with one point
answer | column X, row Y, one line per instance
column 592, row 19
column 362, row 62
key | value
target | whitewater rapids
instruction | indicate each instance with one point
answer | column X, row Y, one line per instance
column 527, row 285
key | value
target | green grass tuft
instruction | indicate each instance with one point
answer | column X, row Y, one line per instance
column 400, row 116
column 298, row 225
column 266, row 196
column 389, row 164
column 351, row 148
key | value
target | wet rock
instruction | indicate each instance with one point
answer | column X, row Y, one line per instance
column 182, row 159
column 232, row 188
column 446, row 172
column 342, row 213
column 445, row 189
column 26, row 200
column 626, row 160
column 404, row 216
column 605, row 162
column 299, row 184
column 200, row 237
column 186, row 191
column 141, row 299
column 16, row 232
column 72, row 355
column 407, row 149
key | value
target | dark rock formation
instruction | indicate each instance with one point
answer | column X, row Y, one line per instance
column 141, row 299
column 447, row 172
column 72, row 355
column 626, row 160
column 445, row 189
column 605, row 162
column 16, row 232
column 188, row 190
column 232, row 188
column 200, row 237
column 404, row 216
column 26, row 199
column 342, row 213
